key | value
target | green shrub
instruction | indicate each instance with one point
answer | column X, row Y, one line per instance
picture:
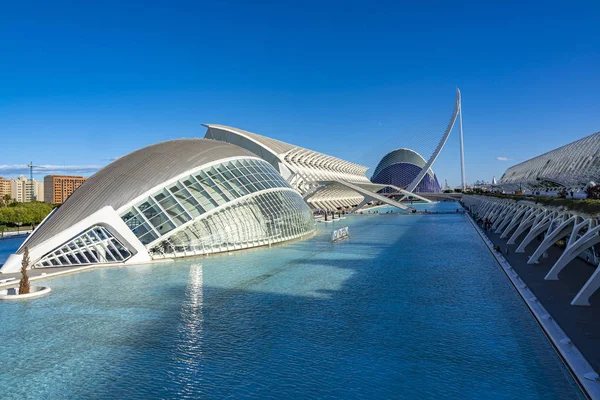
column 26, row 213
column 593, row 192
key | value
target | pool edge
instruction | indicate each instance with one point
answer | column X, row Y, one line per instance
column 569, row 353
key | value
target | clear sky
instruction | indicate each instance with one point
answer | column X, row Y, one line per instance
column 83, row 84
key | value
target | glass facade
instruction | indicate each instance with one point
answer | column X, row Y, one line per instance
column 266, row 217
column 94, row 246
column 197, row 194
column 261, row 219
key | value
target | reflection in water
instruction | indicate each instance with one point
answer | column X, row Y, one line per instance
column 192, row 316
column 188, row 353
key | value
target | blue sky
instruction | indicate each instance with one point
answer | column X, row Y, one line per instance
column 83, row 84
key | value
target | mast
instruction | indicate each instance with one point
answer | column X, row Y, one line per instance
column 462, row 149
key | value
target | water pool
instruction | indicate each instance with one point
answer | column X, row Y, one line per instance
column 9, row 246
column 442, row 206
column 408, row 307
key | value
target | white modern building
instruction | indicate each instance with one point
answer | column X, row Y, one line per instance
column 325, row 182
column 24, row 190
column 178, row 198
column 570, row 167
column 401, row 166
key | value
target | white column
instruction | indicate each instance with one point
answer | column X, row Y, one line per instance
column 462, row 149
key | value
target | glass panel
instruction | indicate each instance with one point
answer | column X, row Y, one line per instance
column 213, row 188
column 240, row 175
column 255, row 181
column 172, row 208
column 166, row 227
column 165, row 199
column 200, row 194
column 148, row 237
column 142, row 229
column 156, row 217
column 187, row 200
column 219, row 183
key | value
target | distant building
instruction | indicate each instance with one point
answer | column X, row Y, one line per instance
column 570, row 167
column 21, row 190
column 482, row 185
column 57, row 188
column 400, row 167
column 4, row 187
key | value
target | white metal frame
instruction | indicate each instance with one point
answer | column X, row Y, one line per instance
column 583, row 233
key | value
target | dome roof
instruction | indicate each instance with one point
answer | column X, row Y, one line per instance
column 402, row 155
column 132, row 175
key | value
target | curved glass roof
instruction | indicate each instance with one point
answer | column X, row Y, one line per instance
column 131, row 176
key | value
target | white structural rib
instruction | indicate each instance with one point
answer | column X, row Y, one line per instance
column 378, row 186
column 439, row 147
column 462, row 148
column 583, row 232
column 367, row 193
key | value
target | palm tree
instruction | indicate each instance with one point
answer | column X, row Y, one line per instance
column 24, row 283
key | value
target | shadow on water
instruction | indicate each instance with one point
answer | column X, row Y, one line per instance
column 403, row 309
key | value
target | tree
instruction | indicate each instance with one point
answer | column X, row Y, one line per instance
column 593, row 192
column 27, row 213
column 562, row 193
column 24, row 283
column 6, row 200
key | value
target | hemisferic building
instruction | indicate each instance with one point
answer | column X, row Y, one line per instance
column 177, row 198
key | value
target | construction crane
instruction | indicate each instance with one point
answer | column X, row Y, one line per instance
column 31, row 167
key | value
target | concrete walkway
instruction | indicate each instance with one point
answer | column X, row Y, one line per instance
column 40, row 273
column 15, row 234
column 581, row 324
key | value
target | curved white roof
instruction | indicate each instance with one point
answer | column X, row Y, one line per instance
column 131, row 176
column 401, row 155
column 572, row 165
column 277, row 148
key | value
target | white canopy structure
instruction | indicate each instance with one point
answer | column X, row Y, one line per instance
column 572, row 167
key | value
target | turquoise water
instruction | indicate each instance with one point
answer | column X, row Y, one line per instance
column 409, row 307
column 442, row 206
column 9, row 246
